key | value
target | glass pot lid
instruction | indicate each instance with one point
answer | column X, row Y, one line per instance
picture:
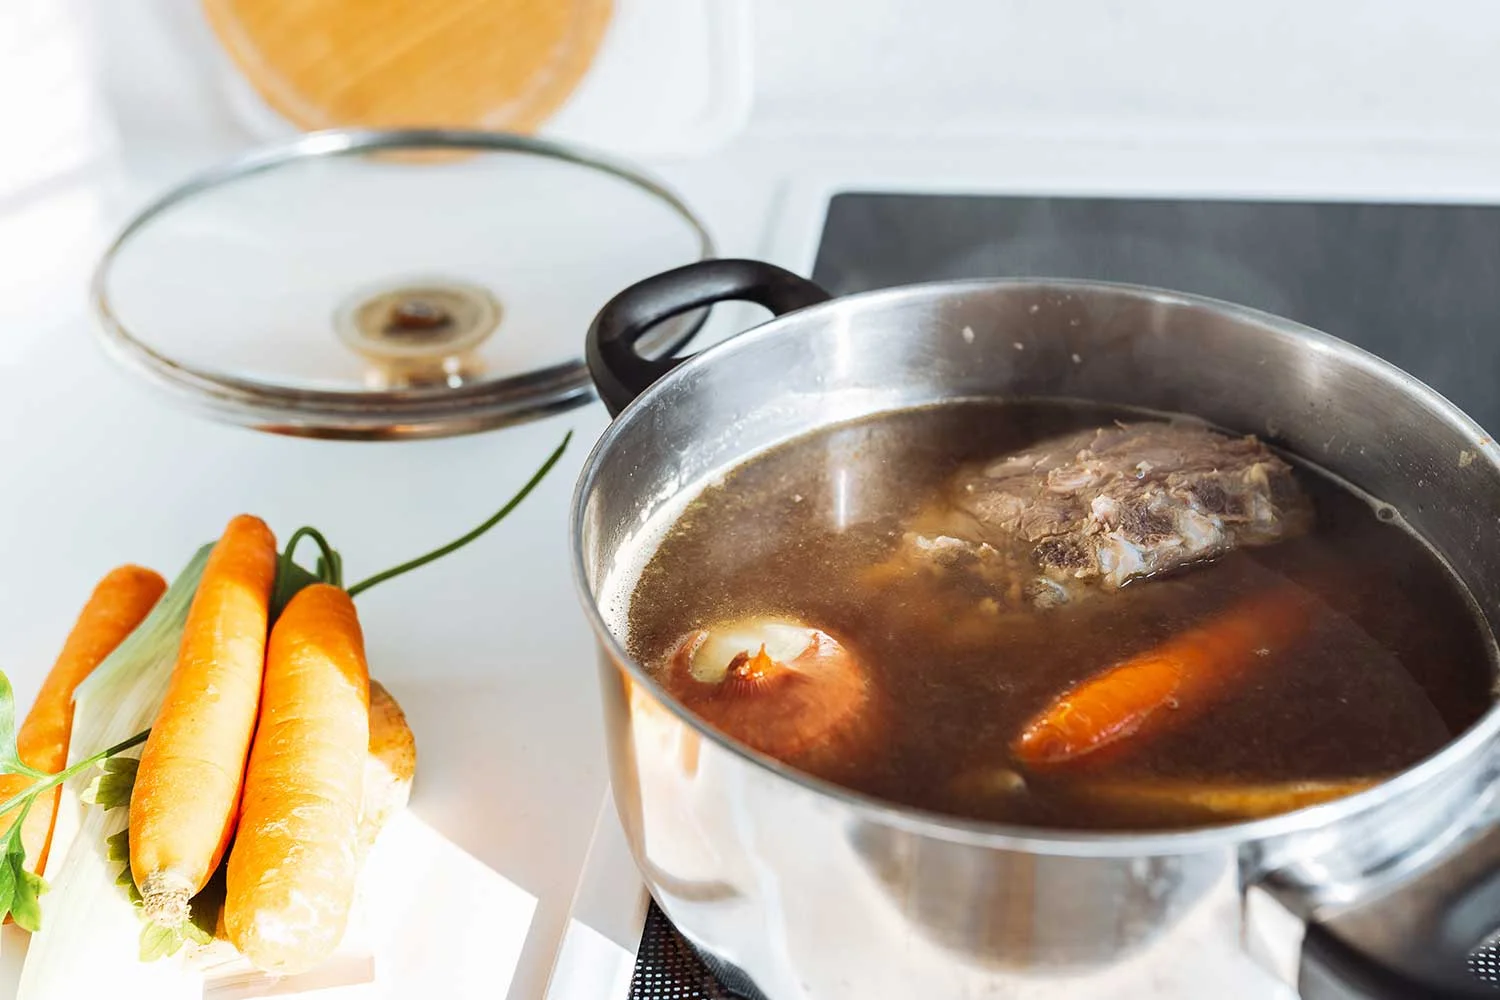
column 367, row 284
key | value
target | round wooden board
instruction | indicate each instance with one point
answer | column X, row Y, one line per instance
column 495, row 64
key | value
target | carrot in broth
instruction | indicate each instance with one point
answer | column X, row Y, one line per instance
column 1220, row 800
column 1182, row 674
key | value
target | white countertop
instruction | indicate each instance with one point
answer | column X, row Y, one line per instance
column 488, row 650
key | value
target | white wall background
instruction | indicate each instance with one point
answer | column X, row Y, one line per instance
column 1365, row 97
column 1334, row 71
column 1350, row 73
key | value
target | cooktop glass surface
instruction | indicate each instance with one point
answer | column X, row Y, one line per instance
column 1418, row 285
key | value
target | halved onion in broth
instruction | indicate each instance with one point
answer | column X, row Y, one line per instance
column 790, row 691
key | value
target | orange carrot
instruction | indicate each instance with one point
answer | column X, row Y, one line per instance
column 1184, row 673
column 1220, row 800
column 187, row 790
column 118, row 604
column 390, row 765
column 294, row 863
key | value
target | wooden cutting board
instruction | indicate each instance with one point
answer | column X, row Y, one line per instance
column 496, row 64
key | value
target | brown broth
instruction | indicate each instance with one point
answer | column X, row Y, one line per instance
column 1397, row 666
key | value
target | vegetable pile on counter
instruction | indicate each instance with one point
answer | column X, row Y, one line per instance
column 268, row 763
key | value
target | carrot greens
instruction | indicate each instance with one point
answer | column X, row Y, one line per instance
column 292, row 577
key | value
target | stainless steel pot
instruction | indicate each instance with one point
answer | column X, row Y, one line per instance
column 801, row 889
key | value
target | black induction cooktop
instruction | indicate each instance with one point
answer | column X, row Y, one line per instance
column 667, row 967
column 1417, row 284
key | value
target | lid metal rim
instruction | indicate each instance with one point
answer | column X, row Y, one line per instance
column 462, row 409
column 352, row 422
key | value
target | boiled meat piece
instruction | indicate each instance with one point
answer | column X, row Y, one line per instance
column 1100, row 508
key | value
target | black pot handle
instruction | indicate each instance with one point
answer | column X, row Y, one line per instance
column 621, row 374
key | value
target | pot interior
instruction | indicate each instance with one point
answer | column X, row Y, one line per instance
column 1315, row 397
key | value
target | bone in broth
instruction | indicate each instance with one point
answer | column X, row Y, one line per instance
column 1060, row 615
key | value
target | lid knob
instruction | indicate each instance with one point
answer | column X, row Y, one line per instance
column 422, row 332
column 417, row 315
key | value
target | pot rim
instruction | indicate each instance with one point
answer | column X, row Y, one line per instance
column 1006, row 836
